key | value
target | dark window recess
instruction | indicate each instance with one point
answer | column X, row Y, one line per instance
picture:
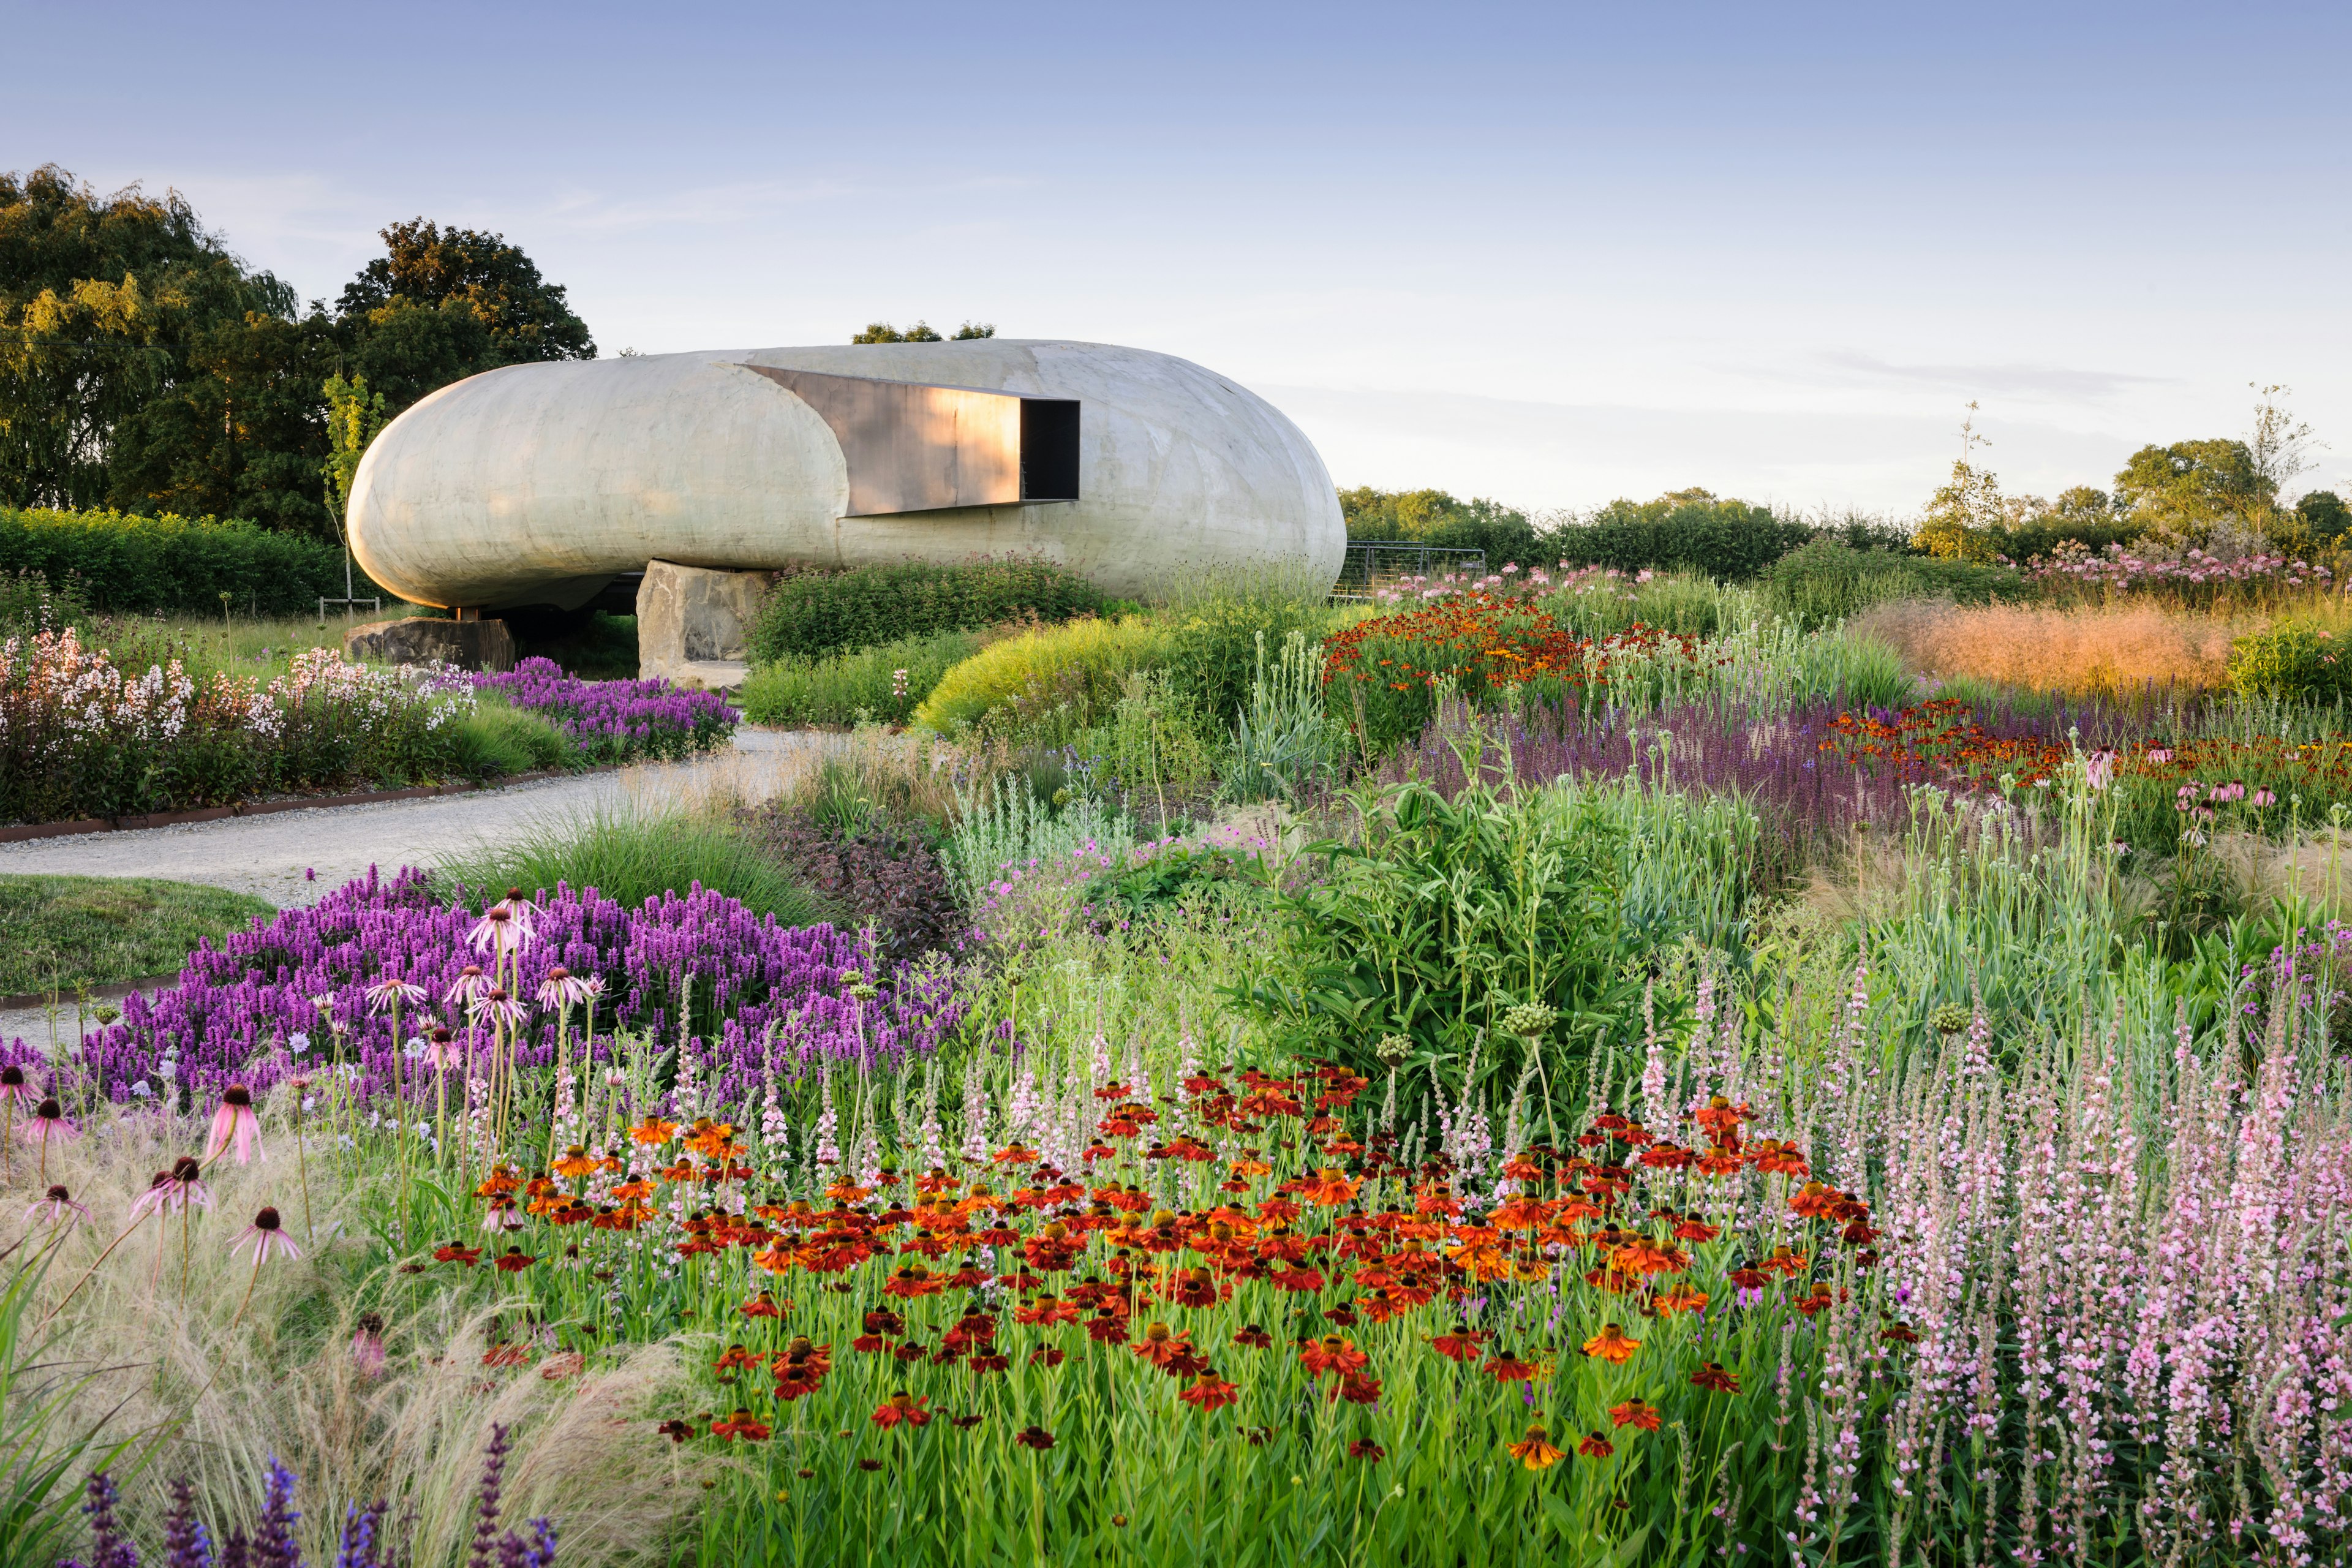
column 1049, row 448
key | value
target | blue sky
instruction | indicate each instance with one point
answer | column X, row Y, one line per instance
column 1550, row 254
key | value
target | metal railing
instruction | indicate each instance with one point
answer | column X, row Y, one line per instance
column 1372, row 563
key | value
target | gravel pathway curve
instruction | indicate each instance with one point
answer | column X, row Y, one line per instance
column 296, row 857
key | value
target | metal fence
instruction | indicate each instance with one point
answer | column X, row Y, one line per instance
column 1372, row 563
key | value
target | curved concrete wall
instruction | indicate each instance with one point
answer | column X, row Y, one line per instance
column 538, row 482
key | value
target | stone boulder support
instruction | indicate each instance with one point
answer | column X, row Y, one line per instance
column 468, row 645
column 694, row 624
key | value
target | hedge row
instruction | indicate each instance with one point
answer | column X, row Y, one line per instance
column 812, row 616
column 125, row 565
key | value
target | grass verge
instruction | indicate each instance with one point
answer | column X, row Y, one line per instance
column 58, row 933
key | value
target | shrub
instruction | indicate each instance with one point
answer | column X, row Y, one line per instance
column 814, row 615
column 1047, row 684
column 1689, row 530
column 2289, row 661
column 137, row 564
column 1213, row 649
column 877, row 877
column 87, row 737
column 1820, row 582
column 885, row 683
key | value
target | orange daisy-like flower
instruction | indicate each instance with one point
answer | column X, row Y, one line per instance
column 1635, row 1412
column 1462, row 1344
column 1612, row 1345
column 466, row 1257
column 1161, row 1345
column 1328, row 1187
column 1535, row 1451
column 740, row 1425
column 902, row 1406
column 911, row 1282
column 1508, row 1368
column 1596, row 1447
column 1209, row 1392
column 1683, row 1297
column 1332, row 1353
column 762, row 1305
column 1711, row 1376
column 653, row 1131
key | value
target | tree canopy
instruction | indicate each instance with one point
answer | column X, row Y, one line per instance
column 920, row 332
column 145, row 367
column 1434, row 517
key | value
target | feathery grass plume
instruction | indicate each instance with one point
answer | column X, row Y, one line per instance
column 2096, row 651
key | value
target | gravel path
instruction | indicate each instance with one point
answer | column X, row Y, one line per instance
column 298, row 857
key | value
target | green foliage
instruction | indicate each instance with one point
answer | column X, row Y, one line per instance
column 1285, row 738
column 631, row 859
column 842, row 688
column 1153, row 745
column 2324, row 514
column 1821, row 582
column 1688, row 531
column 2290, row 660
column 1681, row 602
column 137, row 564
column 498, row 741
column 44, row 1447
column 2183, row 490
column 355, row 416
column 1044, row 686
column 1434, row 517
column 58, row 933
column 920, row 332
column 814, row 615
column 425, row 267
column 143, row 368
column 1443, row 918
column 1158, row 885
column 1212, row 652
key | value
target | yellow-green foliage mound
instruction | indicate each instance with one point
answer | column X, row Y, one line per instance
column 1080, row 669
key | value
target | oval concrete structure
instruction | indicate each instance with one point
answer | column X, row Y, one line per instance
column 537, row 483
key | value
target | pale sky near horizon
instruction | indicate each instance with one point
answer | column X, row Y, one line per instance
column 1548, row 254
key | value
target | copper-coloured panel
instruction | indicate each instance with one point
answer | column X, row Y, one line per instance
column 913, row 447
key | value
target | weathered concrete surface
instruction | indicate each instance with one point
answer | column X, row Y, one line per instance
column 522, row 483
column 690, row 616
column 469, row 645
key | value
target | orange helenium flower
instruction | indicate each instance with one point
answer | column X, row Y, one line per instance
column 1535, row 1451
column 1612, row 1345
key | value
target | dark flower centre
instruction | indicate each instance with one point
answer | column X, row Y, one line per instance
column 49, row 1111
column 185, row 1168
column 266, row 1220
column 237, row 1095
column 57, row 1195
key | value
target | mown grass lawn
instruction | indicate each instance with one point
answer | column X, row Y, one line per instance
column 63, row 932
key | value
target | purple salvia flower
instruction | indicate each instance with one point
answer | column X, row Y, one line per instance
column 486, row 1517
column 186, row 1543
column 274, row 1545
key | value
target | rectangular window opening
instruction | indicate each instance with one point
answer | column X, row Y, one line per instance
column 1049, row 448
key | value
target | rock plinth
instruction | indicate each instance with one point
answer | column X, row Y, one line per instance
column 468, row 645
column 694, row 624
